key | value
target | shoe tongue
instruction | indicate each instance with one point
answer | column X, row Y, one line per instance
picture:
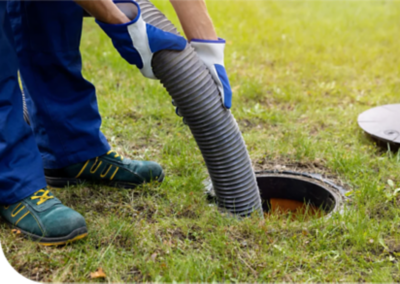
column 43, row 195
column 42, row 192
column 45, row 205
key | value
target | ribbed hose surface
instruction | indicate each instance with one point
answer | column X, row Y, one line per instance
column 215, row 130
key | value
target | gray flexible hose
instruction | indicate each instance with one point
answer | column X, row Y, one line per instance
column 215, row 130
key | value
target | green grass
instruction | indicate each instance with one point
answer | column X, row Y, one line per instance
column 302, row 71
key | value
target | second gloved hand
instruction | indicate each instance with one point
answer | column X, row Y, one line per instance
column 211, row 52
column 137, row 41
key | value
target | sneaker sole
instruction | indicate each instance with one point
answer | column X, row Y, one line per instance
column 75, row 235
column 58, row 182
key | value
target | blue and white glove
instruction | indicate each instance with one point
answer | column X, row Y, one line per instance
column 211, row 52
column 137, row 41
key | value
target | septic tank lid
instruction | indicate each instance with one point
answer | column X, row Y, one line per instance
column 382, row 123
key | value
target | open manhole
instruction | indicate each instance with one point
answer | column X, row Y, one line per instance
column 296, row 193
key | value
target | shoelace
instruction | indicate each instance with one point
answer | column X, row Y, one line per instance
column 116, row 154
column 43, row 198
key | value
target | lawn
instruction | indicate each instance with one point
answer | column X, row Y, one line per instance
column 301, row 72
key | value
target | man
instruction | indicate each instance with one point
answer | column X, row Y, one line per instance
column 42, row 39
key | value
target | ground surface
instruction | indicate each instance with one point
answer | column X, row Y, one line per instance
column 301, row 73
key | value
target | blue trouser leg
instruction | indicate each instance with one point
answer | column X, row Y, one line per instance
column 62, row 104
column 21, row 168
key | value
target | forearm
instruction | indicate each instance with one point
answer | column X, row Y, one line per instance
column 104, row 10
column 194, row 18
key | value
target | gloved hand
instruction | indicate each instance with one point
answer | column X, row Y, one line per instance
column 211, row 52
column 137, row 41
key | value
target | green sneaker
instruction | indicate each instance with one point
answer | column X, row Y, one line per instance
column 110, row 169
column 43, row 218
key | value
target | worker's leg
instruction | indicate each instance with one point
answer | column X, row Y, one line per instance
column 20, row 162
column 62, row 104
column 25, row 203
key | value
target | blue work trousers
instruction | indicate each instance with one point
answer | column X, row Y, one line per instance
column 62, row 105
column 21, row 167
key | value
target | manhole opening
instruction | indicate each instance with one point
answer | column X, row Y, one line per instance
column 285, row 193
column 294, row 193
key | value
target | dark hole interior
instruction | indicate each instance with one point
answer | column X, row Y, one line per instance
column 294, row 189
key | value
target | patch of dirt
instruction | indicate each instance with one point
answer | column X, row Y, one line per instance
column 146, row 211
column 393, row 246
column 193, row 234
